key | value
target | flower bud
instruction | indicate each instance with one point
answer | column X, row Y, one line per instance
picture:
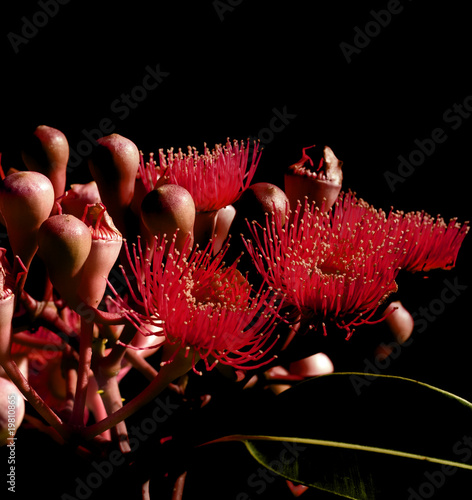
column 47, row 152
column 64, row 245
column 166, row 209
column 312, row 366
column 26, row 201
column 150, row 176
column 257, row 201
column 114, row 165
column 321, row 186
column 400, row 322
column 224, row 219
column 260, row 199
column 106, row 246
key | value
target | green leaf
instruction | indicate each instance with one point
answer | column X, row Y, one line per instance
column 367, row 437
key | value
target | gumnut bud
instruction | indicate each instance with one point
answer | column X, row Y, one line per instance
column 321, row 186
column 47, row 152
column 64, row 245
column 166, row 209
column 150, row 176
column 312, row 366
column 260, row 199
column 224, row 219
column 256, row 203
column 26, row 201
column 114, row 164
column 106, row 246
column 77, row 198
column 400, row 321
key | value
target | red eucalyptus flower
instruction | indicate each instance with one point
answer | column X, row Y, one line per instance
column 342, row 265
column 428, row 243
column 215, row 178
column 204, row 307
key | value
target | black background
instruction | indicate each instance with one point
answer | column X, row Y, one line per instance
column 227, row 72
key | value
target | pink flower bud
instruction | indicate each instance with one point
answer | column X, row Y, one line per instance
column 114, row 165
column 400, row 322
column 321, row 186
column 262, row 198
column 106, row 246
column 166, row 209
column 64, row 245
column 257, row 201
column 26, row 201
column 78, row 197
column 312, row 366
column 224, row 219
column 150, row 176
column 48, row 152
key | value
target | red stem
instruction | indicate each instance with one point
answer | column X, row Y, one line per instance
column 111, row 397
column 12, row 370
column 145, row 491
column 168, row 373
column 141, row 364
column 179, row 485
column 85, row 360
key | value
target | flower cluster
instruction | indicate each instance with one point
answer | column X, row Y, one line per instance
column 190, row 302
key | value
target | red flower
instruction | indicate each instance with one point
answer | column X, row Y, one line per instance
column 428, row 243
column 341, row 266
column 204, row 307
column 215, row 178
